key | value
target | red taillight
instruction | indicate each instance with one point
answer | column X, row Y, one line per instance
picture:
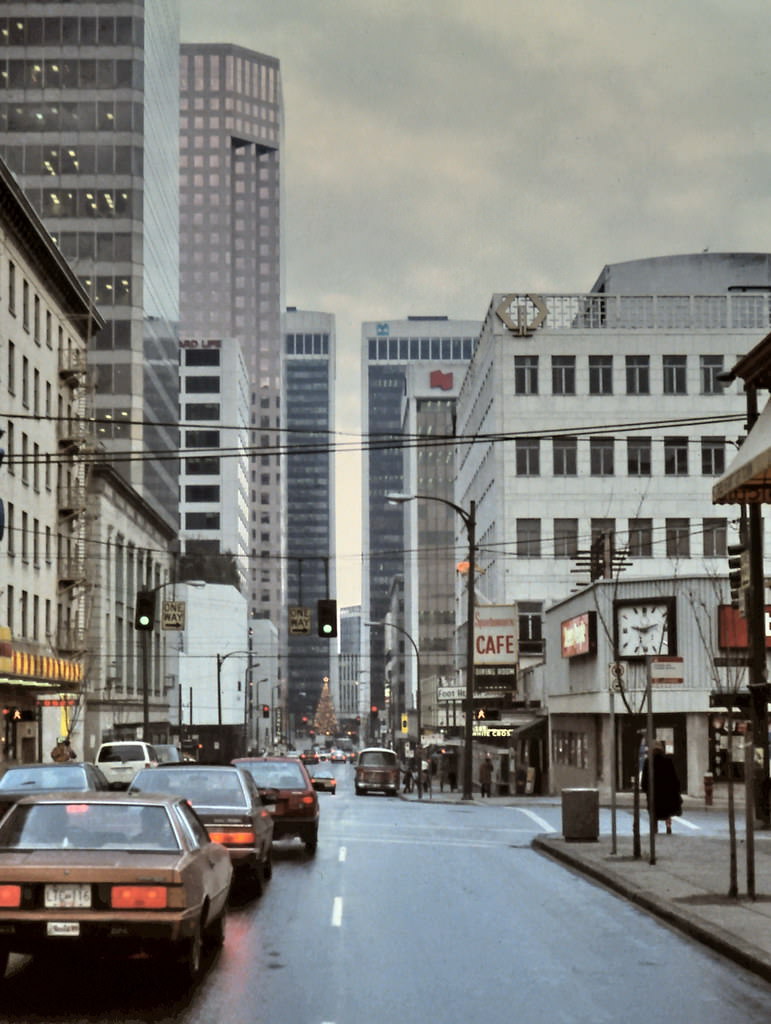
column 139, row 897
column 10, row 895
column 232, row 838
column 309, row 799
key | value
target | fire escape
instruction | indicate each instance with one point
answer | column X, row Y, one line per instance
column 75, row 437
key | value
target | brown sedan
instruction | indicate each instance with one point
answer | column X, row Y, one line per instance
column 110, row 874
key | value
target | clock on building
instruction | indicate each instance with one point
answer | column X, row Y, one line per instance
column 645, row 627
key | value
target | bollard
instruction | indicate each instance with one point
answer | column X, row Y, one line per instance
column 708, row 789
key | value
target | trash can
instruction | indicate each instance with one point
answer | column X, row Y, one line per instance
column 581, row 815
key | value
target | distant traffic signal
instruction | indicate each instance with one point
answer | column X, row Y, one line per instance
column 266, row 710
column 326, row 614
column 144, row 610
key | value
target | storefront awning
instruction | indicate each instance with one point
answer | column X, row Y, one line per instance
column 748, row 478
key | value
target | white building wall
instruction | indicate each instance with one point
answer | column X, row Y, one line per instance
column 216, row 624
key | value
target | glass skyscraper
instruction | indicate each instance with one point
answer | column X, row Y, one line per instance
column 389, row 347
column 309, row 403
column 230, row 182
column 88, row 123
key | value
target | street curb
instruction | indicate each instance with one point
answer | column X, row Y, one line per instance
column 735, row 949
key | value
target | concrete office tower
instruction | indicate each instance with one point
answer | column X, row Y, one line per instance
column 618, row 422
column 389, row 347
column 214, row 474
column 230, row 182
column 309, row 404
column 88, row 123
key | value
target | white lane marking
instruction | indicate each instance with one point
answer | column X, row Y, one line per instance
column 337, row 912
column 540, row 822
column 688, row 824
column 342, row 854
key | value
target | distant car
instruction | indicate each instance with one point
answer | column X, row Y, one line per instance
column 167, row 753
column 286, row 781
column 110, row 875
column 309, row 757
column 323, row 777
column 338, row 756
column 120, row 760
column 377, row 768
column 229, row 804
column 26, row 779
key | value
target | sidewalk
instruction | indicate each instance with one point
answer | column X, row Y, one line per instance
column 687, row 886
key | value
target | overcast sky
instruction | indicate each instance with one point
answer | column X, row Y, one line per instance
column 437, row 151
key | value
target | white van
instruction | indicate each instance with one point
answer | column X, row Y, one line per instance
column 120, row 760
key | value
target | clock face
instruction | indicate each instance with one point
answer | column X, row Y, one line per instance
column 642, row 629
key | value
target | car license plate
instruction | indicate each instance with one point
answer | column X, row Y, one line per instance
column 57, row 928
column 63, row 896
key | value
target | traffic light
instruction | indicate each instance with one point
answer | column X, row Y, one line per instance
column 266, row 710
column 738, row 575
column 326, row 614
column 144, row 610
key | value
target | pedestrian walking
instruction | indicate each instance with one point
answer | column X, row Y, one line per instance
column 444, row 775
column 667, row 796
column 63, row 751
column 486, row 776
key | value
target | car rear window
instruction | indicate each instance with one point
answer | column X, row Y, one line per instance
column 85, row 826
column 53, row 777
column 202, row 788
column 122, row 752
column 277, row 775
column 378, row 759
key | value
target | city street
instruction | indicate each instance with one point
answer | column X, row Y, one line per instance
column 415, row 912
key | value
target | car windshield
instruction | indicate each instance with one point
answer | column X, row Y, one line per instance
column 202, row 788
column 87, row 826
column 277, row 774
column 378, row 758
column 46, row 777
column 122, row 752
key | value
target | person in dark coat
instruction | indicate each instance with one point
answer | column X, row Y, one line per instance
column 667, row 797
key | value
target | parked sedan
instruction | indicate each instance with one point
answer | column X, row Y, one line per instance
column 323, row 777
column 286, row 782
column 230, row 806
column 26, row 779
column 110, row 875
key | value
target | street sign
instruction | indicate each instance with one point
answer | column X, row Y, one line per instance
column 299, row 620
column 172, row 614
column 445, row 693
column 667, row 670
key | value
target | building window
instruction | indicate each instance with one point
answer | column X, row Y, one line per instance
column 638, row 456
column 638, row 375
column 678, row 533
column 202, row 521
column 565, row 538
column 202, row 385
column 530, row 627
column 563, row 375
column 601, row 456
column 712, row 456
column 202, row 411
column 674, row 368
column 710, row 367
column 525, row 375
column 202, row 357
column 600, row 375
column 202, row 492
column 675, row 456
column 528, row 456
column 715, row 538
column 528, row 538
column 202, row 438
column 640, row 538
column 565, row 454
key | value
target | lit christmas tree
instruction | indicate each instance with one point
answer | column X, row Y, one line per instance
column 325, row 721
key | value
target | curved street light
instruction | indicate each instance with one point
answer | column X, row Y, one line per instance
column 392, row 625
column 468, row 516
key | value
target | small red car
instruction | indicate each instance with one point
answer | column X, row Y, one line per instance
column 293, row 800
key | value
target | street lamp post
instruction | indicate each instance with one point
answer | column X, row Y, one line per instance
column 220, row 659
column 468, row 516
column 419, row 724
